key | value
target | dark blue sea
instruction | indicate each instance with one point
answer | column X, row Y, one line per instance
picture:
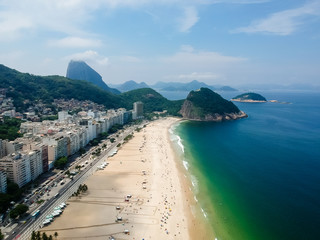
column 259, row 177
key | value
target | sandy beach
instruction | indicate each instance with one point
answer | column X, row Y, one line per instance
column 160, row 206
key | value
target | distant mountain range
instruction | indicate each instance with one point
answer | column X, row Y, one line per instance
column 193, row 85
column 25, row 88
column 129, row 85
column 79, row 70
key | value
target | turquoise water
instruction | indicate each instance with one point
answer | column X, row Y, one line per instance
column 259, row 178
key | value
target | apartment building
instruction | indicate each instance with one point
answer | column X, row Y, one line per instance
column 3, row 181
column 17, row 168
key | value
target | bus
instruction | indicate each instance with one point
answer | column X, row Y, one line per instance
column 35, row 214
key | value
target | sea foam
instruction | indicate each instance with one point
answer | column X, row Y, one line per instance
column 204, row 213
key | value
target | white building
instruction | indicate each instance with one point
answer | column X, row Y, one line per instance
column 17, row 168
column 36, row 167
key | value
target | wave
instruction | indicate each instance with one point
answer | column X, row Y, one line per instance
column 176, row 138
column 186, row 165
column 204, row 213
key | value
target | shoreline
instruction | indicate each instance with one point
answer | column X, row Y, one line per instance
column 161, row 207
column 198, row 221
column 249, row 101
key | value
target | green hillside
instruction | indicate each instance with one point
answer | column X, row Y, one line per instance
column 250, row 96
column 152, row 100
column 24, row 86
column 206, row 101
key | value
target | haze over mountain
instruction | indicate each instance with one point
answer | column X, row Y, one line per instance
column 79, row 70
column 129, row 85
column 189, row 86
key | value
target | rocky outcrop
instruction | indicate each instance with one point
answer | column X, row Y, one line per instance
column 206, row 105
column 79, row 70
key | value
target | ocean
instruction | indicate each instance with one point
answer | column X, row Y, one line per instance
column 258, row 178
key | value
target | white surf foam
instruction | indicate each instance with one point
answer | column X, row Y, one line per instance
column 204, row 213
column 186, row 165
column 180, row 144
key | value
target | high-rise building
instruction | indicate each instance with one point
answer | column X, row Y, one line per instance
column 137, row 110
column 17, row 168
column 3, row 181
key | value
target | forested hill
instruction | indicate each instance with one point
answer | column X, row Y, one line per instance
column 152, row 100
column 24, row 86
column 206, row 105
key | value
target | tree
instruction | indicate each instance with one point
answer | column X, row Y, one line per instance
column 33, row 235
column 82, row 151
column 61, row 162
column 18, row 210
column 44, row 236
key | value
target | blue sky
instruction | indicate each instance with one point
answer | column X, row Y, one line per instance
column 227, row 42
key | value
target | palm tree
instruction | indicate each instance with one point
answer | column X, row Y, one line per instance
column 44, row 236
column 33, row 236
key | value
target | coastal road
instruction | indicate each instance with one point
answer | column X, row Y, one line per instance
column 24, row 231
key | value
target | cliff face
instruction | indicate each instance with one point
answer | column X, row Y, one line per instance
column 79, row 70
column 206, row 105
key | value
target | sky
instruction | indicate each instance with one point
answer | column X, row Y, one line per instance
column 229, row 42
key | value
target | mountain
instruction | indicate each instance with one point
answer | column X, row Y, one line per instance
column 152, row 100
column 249, row 97
column 193, row 85
column 178, row 86
column 79, row 70
column 24, row 86
column 131, row 85
column 227, row 88
column 206, row 105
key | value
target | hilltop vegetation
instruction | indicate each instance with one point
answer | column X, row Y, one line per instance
column 9, row 128
column 24, row 86
column 249, row 97
column 152, row 100
column 204, row 104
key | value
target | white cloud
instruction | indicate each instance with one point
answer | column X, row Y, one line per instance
column 11, row 25
column 189, row 19
column 69, row 16
column 201, row 57
column 235, row 1
column 284, row 22
column 90, row 57
column 75, row 42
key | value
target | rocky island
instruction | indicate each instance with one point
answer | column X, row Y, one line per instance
column 249, row 97
column 206, row 105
